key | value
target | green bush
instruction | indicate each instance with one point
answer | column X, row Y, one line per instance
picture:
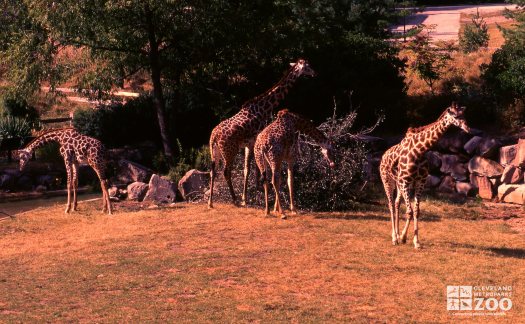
column 475, row 35
column 14, row 127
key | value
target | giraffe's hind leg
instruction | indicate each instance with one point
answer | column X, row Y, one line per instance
column 69, row 184
column 405, row 191
column 75, row 185
column 248, row 156
column 389, row 186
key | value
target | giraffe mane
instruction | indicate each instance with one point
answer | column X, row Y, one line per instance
column 47, row 131
column 414, row 130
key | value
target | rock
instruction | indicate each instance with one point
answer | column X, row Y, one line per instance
column 126, row 153
column 474, row 180
column 507, row 154
column 472, row 145
column 488, row 148
column 160, row 190
column 485, row 189
column 452, row 142
column 485, row 167
column 45, row 180
column 133, row 172
column 512, row 175
column 137, row 190
column 465, row 188
column 24, row 183
column 459, row 172
column 40, row 188
column 193, row 184
column 113, row 192
column 7, row 181
column 434, row 161
column 432, row 181
column 514, row 194
column 448, row 162
column 519, row 160
column 448, row 185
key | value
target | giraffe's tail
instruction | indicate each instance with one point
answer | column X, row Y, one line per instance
column 213, row 138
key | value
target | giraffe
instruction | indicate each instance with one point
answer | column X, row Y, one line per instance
column 240, row 130
column 74, row 148
column 404, row 168
column 277, row 143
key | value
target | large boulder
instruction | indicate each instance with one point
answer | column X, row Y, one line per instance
column 485, row 187
column 507, row 154
column 434, row 161
column 512, row 175
column 161, row 190
column 488, row 148
column 448, row 185
column 133, row 172
column 7, row 181
column 465, row 188
column 453, row 142
column 448, row 162
column 193, row 184
column 519, row 160
column 137, row 190
column 432, row 181
column 512, row 194
column 472, row 145
column 485, row 167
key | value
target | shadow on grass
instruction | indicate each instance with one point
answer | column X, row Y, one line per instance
column 385, row 217
column 516, row 253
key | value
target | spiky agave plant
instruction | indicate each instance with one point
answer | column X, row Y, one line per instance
column 14, row 127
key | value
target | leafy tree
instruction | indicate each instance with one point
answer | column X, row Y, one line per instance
column 475, row 35
column 205, row 56
column 430, row 59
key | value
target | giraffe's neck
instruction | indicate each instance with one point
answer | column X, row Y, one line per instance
column 42, row 140
column 307, row 128
column 271, row 98
column 428, row 136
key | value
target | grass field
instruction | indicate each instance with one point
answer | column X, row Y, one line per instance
column 188, row 263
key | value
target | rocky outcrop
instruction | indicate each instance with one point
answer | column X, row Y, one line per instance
column 512, row 175
column 193, row 184
column 160, row 190
column 507, row 154
column 485, row 167
column 137, row 190
column 129, row 172
column 512, row 194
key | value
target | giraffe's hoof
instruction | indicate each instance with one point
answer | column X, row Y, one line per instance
column 293, row 212
column 417, row 246
column 243, row 203
column 395, row 242
column 403, row 239
column 283, row 216
column 210, row 206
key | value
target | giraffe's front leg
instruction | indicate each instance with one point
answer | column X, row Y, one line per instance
column 419, row 189
column 290, row 188
column 397, row 205
column 276, row 182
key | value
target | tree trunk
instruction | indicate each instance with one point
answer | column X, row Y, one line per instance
column 158, row 95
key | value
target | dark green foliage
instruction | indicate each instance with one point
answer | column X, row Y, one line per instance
column 505, row 75
column 14, row 127
column 119, row 125
column 475, row 35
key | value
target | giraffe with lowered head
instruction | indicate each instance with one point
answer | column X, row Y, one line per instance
column 240, row 130
column 278, row 143
column 404, row 168
column 74, row 148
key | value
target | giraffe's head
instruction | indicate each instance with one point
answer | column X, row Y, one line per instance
column 327, row 149
column 455, row 115
column 24, row 158
column 302, row 67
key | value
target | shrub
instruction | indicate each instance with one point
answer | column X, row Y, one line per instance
column 14, row 127
column 21, row 109
column 475, row 35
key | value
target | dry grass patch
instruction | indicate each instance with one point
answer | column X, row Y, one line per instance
column 232, row 264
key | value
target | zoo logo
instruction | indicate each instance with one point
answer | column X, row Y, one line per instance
column 469, row 298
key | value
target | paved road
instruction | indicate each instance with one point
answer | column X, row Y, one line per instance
column 447, row 19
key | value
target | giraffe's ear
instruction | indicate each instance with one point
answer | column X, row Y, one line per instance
column 293, row 64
